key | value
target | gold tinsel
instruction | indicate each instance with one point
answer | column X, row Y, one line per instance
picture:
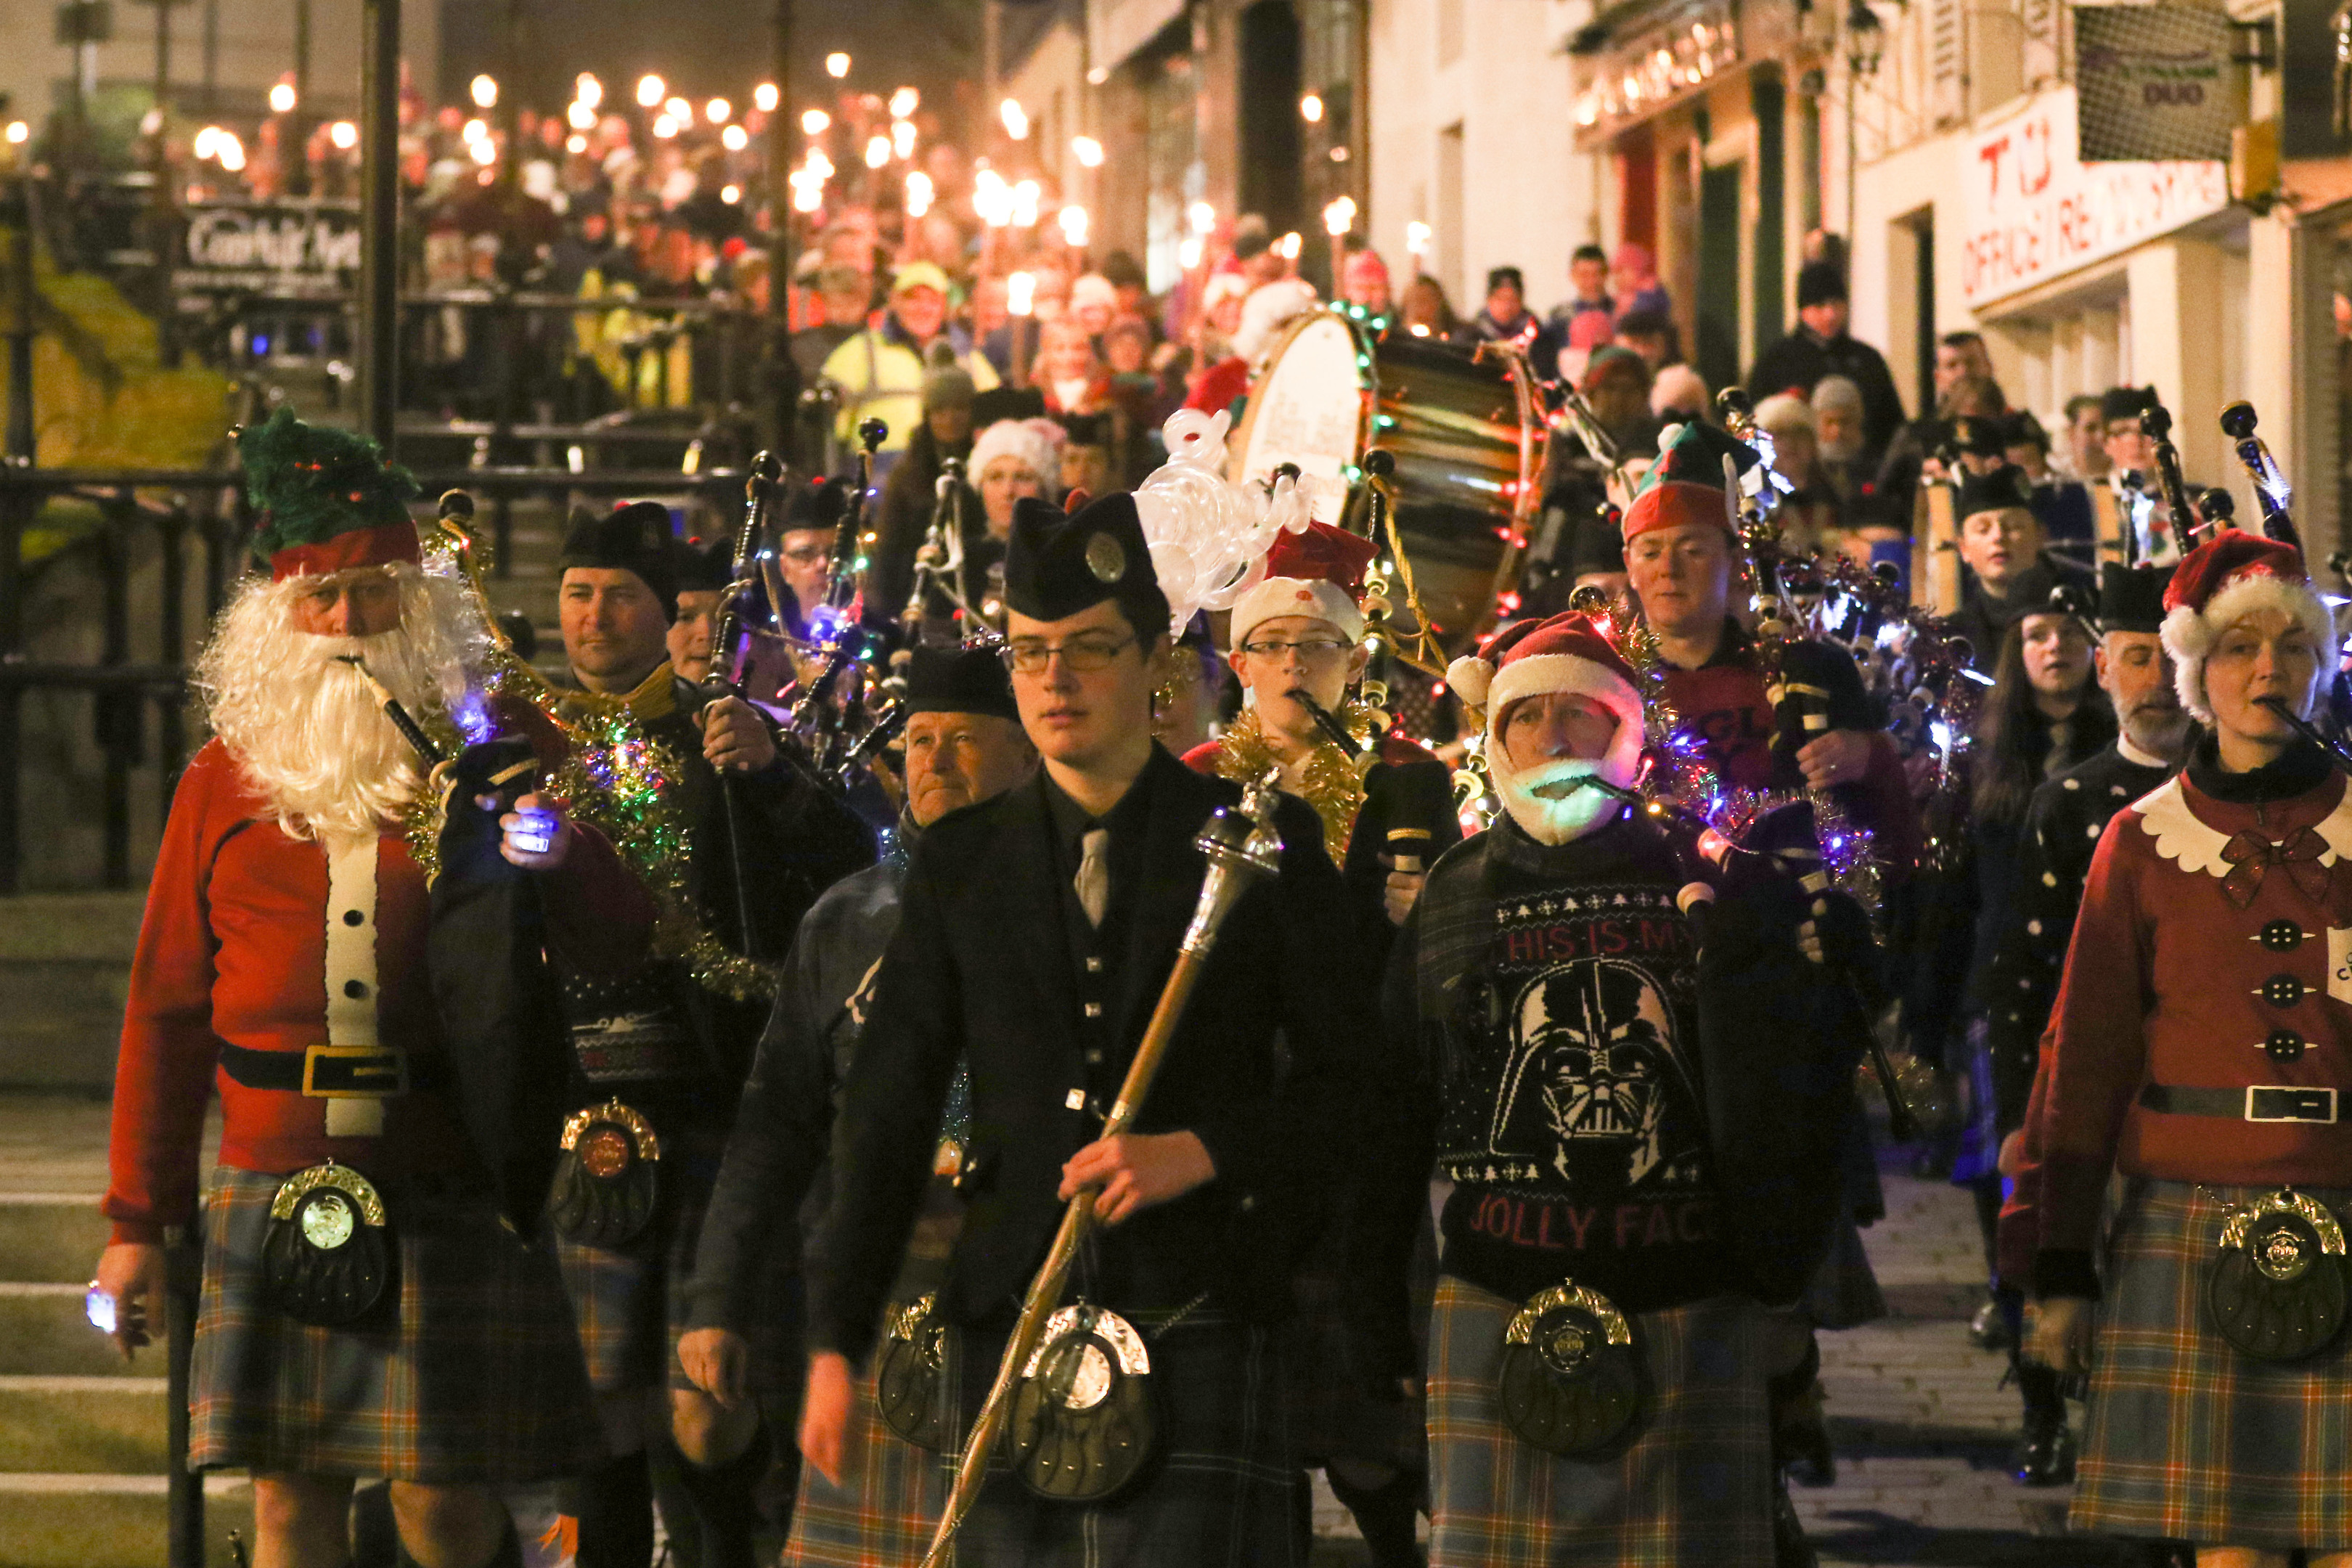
column 1333, row 784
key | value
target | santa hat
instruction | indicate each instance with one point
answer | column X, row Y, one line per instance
column 2227, row 578
column 1568, row 653
column 329, row 501
column 1270, row 308
column 1036, row 442
column 1315, row 574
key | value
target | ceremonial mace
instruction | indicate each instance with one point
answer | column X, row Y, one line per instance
column 1242, row 847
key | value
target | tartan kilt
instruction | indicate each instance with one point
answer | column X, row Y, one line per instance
column 891, row 1498
column 474, row 1378
column 2188, row 1438
column 1695, row 1485
column 1221, row 1491
column 630, row 1303
column 1332, row 1415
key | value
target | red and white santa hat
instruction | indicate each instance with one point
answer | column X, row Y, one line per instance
column 1568, row 653
column 1318, row 574
column 2230, row 576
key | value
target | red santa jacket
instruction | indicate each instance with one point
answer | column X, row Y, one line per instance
column 238, row 947
column 2215, row 940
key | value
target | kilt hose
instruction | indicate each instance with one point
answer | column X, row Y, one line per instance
column 630, row 1303
column 2189, row 1439
column 1219, row 1494
column 472, row 1377
column 1694, row 1487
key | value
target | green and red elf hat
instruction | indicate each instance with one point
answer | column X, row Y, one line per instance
column 329, row 501
column 1684, row 486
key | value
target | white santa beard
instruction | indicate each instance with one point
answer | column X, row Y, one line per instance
column 309, row 735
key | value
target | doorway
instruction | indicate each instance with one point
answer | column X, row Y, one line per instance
column 1718, row 336
column 1271, row 142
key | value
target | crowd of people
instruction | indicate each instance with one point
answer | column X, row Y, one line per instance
column 626, row 1101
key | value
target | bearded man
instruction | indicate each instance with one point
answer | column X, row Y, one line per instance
column 1639, row 1112
column 284, row 960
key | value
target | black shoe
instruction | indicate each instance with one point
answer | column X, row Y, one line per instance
column 1790, row 1547
column 2045, row 1457
column 1988, row 1330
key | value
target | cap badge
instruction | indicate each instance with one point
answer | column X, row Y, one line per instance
column 1106, row 559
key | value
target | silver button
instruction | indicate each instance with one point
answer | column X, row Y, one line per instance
column 1094, row 1009
column 1094, row 1058
column 1094, row 966
column 1076, row 1099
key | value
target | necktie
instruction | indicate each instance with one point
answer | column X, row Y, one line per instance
column 1093, row 880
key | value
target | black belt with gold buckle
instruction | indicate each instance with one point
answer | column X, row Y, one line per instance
column 333, row 1072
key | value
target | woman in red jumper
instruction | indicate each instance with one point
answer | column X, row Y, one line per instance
column 2200, row 1045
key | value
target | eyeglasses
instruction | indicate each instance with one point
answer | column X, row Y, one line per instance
column 1311, row 650
column 1084, row 654
column 806, row 555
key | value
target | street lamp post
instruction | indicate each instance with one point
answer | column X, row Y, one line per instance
column 1865, row 44
column 379, row 218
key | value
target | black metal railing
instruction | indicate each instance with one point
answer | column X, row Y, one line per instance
column 510, row 366
column 197, row 523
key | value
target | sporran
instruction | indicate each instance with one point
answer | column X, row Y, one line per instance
column 1571, row 1379
column 608, row 1177
column 328, row 1257
column 906, row 1375
column 2278, row 1289
column 1086, row 1418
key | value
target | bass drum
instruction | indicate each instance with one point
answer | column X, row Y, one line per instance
column 1467, row 443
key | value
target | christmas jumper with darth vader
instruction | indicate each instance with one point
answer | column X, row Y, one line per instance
column 1556, row 994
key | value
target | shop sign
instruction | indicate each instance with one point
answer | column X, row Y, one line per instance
column 282, row 247
column 2035, row 211
column 2153, row 82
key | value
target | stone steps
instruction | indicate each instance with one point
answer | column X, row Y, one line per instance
column 82, row 1432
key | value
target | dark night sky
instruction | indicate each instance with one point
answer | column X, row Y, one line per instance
column 703, row 48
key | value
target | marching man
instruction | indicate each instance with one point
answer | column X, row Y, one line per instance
column 1638, row 1108
column 363, row 1311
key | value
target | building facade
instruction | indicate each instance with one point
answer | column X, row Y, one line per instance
column 1998, row 188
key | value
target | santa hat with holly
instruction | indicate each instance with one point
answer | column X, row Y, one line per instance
column 329, row 501
column 1568, row 653
column 1318, row 574
column 2229, row 577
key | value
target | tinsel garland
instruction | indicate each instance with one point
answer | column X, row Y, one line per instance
column 1333, row 782
column 1679, row 771
column 614, row 778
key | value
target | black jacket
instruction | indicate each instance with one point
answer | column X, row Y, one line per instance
column 984, row 965
column 1799, row 361
column 2027, row 948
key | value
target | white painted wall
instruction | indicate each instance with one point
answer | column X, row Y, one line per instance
column 1528, row 198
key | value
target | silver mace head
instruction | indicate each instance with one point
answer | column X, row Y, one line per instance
column 1241, row 846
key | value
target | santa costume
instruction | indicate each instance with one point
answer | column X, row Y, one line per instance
column 283, row 964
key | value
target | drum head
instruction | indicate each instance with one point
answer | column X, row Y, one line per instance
column 1307, row 408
